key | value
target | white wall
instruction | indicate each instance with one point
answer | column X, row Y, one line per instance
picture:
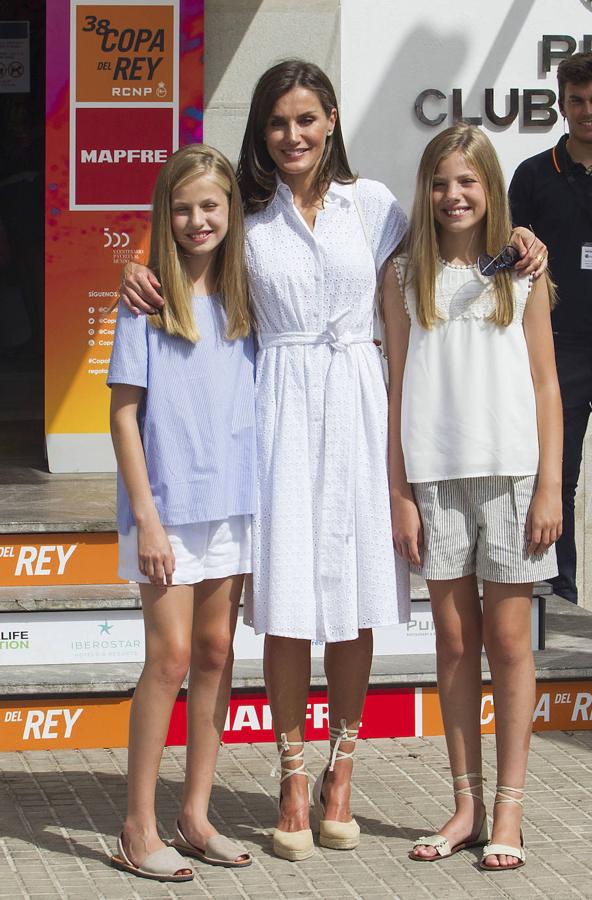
column 243, row 38
column 393, row 49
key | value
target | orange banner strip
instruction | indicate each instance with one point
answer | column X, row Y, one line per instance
column 51, row 559
column 560, row 706
column 64, row 723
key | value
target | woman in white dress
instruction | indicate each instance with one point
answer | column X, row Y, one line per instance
column 324, row 565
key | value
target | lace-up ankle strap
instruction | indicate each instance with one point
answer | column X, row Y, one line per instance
column 336, row 736
column 468, row 791
column 283, row 747
column 504, row 794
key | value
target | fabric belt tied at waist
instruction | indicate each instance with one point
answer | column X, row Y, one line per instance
column 338, row 462
column 337, row 340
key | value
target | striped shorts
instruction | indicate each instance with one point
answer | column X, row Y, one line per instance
column 478, row 526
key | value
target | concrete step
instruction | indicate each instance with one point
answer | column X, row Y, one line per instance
column 34, row 501
column 44, row 598
column 59, row 598
column 56, row 598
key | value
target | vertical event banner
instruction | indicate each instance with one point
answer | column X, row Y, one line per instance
column 124, row 91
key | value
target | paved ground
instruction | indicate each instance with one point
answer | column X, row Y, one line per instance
column 59, row 813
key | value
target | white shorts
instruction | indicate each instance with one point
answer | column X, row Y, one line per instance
column 478, row 525
column 202, row 550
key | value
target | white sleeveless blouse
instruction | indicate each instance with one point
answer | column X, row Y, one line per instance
column 468, row 406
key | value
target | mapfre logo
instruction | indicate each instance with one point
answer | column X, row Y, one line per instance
column 257, row 716
column 118, row 154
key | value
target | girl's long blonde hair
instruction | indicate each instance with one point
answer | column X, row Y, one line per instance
column 167, row 261
column 421, row 242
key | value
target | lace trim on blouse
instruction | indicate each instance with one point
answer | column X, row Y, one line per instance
column 462, row 292
column 397, row 268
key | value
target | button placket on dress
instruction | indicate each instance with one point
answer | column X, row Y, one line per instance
column 311, row 241
column 338, row 489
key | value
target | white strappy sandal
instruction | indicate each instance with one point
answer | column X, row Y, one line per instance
column 504, row 849
column 332, row 834
column 439, row 842
column 292, row 845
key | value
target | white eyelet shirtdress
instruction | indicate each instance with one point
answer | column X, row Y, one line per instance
column 323, row 559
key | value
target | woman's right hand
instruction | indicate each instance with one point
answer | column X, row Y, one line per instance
column 139, row 289
column 156, row 559
column 407, row 529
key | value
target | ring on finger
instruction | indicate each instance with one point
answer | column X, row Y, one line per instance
column 539, row 257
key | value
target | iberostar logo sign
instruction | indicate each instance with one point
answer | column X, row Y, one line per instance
column 71, row 636
column 107, row 645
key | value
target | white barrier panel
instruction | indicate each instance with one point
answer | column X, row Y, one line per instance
column 74, row 636
column 415, row 637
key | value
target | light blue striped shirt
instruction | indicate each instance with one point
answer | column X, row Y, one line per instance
column 197, row 418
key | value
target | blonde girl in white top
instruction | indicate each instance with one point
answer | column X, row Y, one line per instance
column 475, row 442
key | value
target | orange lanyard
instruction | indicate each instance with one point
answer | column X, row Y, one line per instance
column 571, row 180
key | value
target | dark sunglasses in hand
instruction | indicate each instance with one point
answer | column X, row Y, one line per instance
column 506, row 259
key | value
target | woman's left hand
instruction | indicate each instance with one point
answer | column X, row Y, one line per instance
column 544, row 521
column 533, row 253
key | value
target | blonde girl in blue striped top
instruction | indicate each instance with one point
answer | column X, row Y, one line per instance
column 182, row 422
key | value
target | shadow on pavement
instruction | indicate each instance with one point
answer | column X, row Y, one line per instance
column 79, row 814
